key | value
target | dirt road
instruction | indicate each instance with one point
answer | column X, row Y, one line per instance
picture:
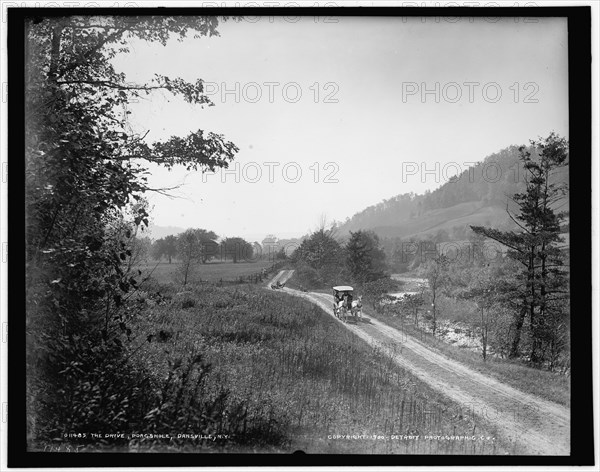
column 534, row 425
column 281, row 277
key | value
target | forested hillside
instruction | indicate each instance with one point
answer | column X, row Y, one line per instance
column 478, row 196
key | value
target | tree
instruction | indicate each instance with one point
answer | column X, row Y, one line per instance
column 413, row 302
column 83, row 164
column 365, row 259
column 436, row 272
column 165, row 247
column 482, row 290
column 374, row 290
column 541, row 285
column 237, row 248
column 208, row 245
column 320, row 260
column 320, row 249
column 189, row 249
column 192, row 247
column 281, row 254
column 84, row 169
column 140, row 250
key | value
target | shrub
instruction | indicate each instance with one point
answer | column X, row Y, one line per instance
column 91, row 386
column 188, row 303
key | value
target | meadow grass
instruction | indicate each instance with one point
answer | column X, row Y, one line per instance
column 226, row 271
column 292, row 378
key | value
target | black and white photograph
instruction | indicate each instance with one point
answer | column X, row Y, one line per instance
column 301, row 232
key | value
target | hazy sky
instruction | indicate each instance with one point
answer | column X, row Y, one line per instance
column 346, row 98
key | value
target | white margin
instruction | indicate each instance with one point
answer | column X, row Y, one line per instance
column 224, row 3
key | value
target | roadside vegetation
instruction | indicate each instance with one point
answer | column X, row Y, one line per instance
column 263, row 372
column 556, row 386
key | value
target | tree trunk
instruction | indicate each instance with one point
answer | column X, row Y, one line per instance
column 532, row 305
column 433, row 312
column 541, row 318
column 54, row 53
column 185, row 274
column 483, row 335
column 514, row 348
column 534, row 353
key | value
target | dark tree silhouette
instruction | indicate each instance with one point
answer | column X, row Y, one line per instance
column 542, row 284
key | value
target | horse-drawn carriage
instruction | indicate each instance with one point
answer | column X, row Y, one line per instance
column 343, row 304
column 277, row 285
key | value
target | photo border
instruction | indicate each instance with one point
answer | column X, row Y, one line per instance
column 580, row 139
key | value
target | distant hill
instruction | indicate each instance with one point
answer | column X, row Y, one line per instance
column 447, row 224
column 478, row 196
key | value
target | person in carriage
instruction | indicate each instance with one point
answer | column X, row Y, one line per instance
column 339, row 303
column 348, row 301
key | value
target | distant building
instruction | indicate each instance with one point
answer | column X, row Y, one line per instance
column 270, row 245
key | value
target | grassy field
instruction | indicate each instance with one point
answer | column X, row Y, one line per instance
column 545, row 384
column 164, row 272
column 284, row 376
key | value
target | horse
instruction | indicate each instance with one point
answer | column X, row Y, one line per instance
column 357, row 308
column 341, row 307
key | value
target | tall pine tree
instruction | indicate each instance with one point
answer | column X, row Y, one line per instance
column 365, row 259
column 542, row 285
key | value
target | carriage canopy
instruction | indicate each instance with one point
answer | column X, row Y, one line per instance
column 343, row 288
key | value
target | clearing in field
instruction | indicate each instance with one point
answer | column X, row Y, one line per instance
column 210, row 272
